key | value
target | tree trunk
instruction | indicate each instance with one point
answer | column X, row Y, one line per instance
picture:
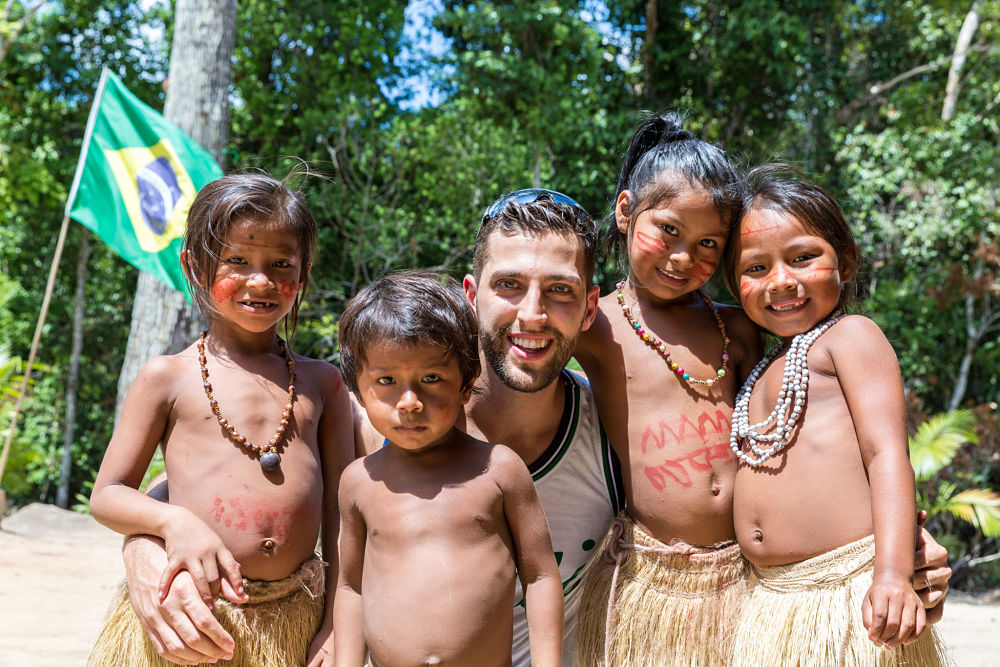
column 958, row 60
column 198, row 102
column 62, row 495
column 649, row 49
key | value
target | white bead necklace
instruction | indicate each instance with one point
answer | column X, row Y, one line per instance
column 791, row 400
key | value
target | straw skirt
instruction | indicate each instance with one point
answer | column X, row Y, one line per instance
column 273, row 629
column 651, row 604
column 808, row 614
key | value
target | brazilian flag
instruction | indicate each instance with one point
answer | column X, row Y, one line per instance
column 137, row 176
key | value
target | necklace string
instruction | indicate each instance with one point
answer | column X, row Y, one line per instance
column 660, row 347
column 267, row 453
column 762, row 440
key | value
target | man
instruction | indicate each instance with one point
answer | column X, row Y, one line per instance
column 532, row 288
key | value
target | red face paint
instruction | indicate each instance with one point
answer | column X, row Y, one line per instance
column 704, row 269
column 225, row 288
column 288, row 288
column 756, row 229
column 647, row 244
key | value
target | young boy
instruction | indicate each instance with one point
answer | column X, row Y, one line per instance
column 436, row 523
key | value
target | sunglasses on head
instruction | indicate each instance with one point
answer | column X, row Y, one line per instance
column 531, row 195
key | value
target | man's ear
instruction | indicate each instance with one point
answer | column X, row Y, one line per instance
column 469, row 284
column 593, row 294
column 623, row 209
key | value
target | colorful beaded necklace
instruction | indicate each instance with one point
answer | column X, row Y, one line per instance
column 660, row 348
column 269, row 458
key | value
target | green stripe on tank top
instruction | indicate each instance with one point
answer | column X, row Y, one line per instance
column 570, row 430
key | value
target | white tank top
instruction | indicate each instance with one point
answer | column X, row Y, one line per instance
column 578, row 479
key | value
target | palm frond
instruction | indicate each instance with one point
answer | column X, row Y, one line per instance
column 980, row 507
column 938, row 439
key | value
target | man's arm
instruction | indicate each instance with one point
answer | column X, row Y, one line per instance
column 930, row 572
column 181, row 628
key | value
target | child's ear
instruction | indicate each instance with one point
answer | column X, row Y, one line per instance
column 186, row 266
column 623, row 209
column 304, row 276
column 848, row 269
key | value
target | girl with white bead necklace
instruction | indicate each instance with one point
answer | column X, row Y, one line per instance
column 824, row 496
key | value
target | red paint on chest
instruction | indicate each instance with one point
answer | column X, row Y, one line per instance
column 648, row 244
column 225, row 288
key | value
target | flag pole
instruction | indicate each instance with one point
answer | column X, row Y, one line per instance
column 34, row 344
column 26, row 379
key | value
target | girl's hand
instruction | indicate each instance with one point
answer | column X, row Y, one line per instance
column 321, row 650
column 193, row 546
column 892, row 612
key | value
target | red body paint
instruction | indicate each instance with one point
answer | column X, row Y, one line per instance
column 685, row 429
column 648, row 244
column 254, row 517
column 698, row 459
column 225, row 288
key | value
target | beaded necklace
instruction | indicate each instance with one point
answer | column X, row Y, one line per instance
column 660, row 348
column 269, row 458
column 791, row 399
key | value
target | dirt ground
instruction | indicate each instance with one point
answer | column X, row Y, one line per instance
column 58, row 571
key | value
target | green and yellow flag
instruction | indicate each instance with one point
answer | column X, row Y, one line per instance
column 137, row 176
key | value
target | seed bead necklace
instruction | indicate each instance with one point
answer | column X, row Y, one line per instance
column 269, row 458
column 660, row 348
column 791, row 400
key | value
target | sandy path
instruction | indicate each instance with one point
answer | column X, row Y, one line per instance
column 58, row 571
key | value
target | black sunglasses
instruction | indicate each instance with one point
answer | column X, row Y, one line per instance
column 531, row 195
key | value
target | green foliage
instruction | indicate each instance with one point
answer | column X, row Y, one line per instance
column 932, row 448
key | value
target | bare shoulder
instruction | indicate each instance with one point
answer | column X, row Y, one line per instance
column 159, row 375
column 507, row 466
column 853, row 334
column 355, row 475
column 322, row 373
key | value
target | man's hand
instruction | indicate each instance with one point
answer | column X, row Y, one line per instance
column 181, row 628
column 930, row 572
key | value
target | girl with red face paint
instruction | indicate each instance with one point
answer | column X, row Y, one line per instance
column 824, row 497
column 254, row 439
column 664, row 363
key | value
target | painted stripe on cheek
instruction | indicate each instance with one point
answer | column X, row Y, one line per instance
column 648, row 244
column 288, row 288
column 705, row 269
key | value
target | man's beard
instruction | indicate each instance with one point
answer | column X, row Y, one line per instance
column 494, row 349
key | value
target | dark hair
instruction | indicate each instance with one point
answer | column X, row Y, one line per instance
column 413, row 307
column 780, row 188
column 543, row 214
column 232, row 199
column 660, row 146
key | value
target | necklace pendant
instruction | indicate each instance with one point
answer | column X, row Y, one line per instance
column 270, row 461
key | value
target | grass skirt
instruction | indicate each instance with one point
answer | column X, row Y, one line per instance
column 273, row 629
column 809, row 614
column 648, row 603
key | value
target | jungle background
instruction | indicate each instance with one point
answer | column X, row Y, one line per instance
column 418, row 115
